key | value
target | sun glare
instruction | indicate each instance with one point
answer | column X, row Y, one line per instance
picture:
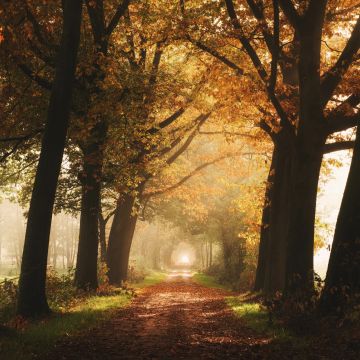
column 184, row 259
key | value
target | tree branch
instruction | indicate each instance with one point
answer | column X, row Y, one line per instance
column 338, row 146
column 19, row 141
column 276, row 47
column 191, row 174
column 155, row 63
column 97, row 19
column 341, row 122
column 258, row 65
column 231, row 133
column 38, row 31
column 117, row 16
column 291, row 13
column 168, row 121
column 333, row 77
column 22, row 137
column 33, row 76
column 217, row 55
column 202, row 118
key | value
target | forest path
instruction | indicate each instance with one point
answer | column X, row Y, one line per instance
column 176, row 319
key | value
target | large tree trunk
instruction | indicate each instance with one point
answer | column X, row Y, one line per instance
column 86, row 264
column 32, row 298
column 343, row 274
column 300, row 254
column 307, row 159
column 120, row 238
column 275, row 267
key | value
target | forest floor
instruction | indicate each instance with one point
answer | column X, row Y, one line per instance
column 182, row 319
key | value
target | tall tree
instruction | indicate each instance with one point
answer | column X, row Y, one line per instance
column 342, row 282
column 32, row 298
column 299, row 122
column 93, row 147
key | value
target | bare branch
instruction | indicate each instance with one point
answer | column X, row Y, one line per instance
column 338, row 146
column 341, row 122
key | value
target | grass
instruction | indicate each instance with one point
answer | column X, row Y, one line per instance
column 251, row 312
column 38, row 337
column 209, row 281
column 257, row 318
column 153, row 278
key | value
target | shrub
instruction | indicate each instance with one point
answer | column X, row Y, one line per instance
column 8, row 296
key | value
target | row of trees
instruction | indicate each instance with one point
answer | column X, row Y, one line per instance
column 311, row 98
column 149, row 76
column 114, row 136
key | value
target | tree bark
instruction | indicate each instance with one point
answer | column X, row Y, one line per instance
column 343, row 274
column 307, row 158
column 102, row 237
column 275, row 267
column 32, row 298
column 86, row 264
column 264, row 231
column 120, row 238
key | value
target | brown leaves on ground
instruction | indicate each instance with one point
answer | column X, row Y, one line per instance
column 177, row 319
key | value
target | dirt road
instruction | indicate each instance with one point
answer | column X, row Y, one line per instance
column 177, row 319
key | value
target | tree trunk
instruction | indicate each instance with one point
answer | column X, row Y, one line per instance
column 32, row 298
column 156, row 257
column 202, row 255
column 120, row 238
column 343, row 274
column 54, row 254
column 310, row 141
column 300, row 254
column 86, row 263
column 102, row 237
column 264, row 231
column 275, row 266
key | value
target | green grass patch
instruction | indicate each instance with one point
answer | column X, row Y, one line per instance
column 249, row 310
column 257, row 318
column 209, row 281
column 39, row 336
column 153, row 278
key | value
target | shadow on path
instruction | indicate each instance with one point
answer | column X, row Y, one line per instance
column 177, row 319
